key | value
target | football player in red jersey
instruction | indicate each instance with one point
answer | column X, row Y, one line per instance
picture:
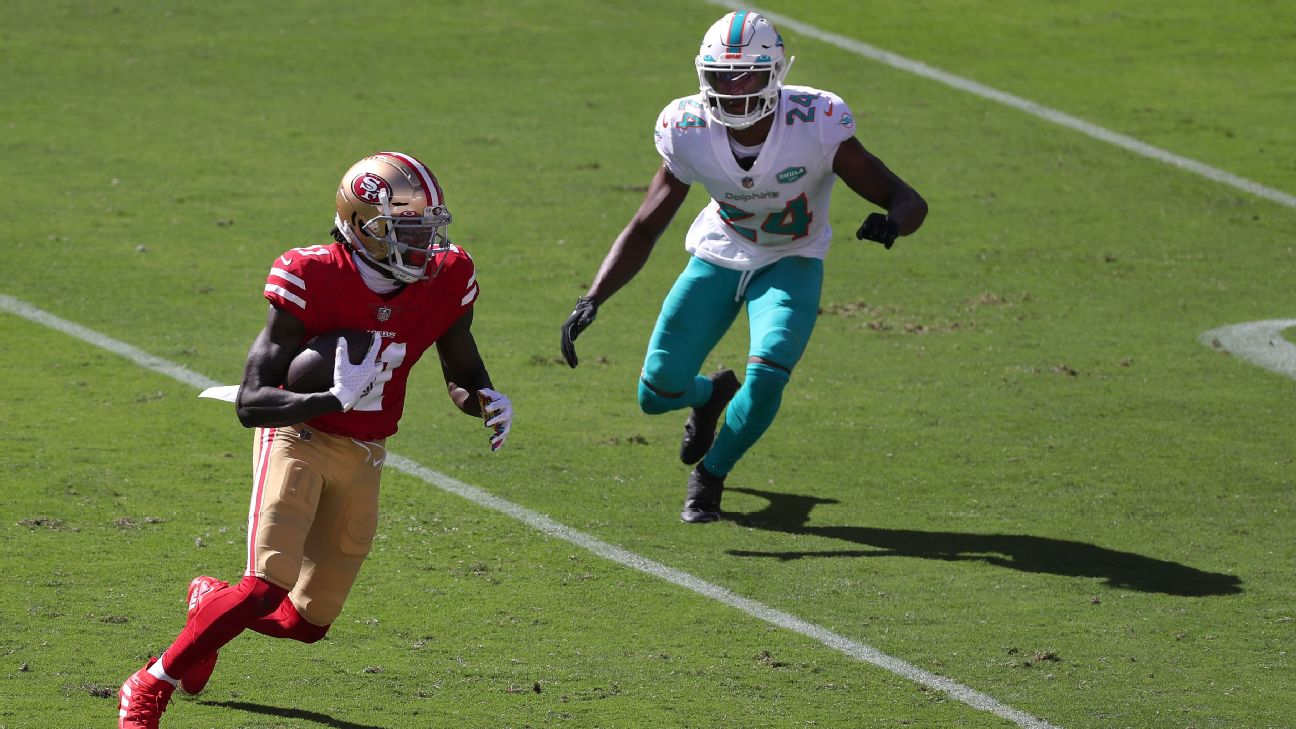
column 318, row 456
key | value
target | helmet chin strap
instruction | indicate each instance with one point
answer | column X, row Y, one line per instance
column 718, row 108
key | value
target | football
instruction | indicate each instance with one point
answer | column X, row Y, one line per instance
column 312, row 368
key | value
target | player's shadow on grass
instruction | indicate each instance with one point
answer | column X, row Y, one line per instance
column 790, row 513
column 315, row 716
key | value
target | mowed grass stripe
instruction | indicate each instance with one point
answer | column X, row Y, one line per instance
column 544, row 524
column 1089, row 129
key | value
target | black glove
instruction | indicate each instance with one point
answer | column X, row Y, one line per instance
column 880, row 228
column 581, row 317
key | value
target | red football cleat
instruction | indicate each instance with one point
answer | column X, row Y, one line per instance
column 143, row 699
column 195, row 679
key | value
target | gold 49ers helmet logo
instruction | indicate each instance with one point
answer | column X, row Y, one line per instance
column 367, row 187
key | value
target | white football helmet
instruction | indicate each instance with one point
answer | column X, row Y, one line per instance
column 391, row 210
column 741, row 67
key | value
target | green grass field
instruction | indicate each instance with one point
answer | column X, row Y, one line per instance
column 1006, row 459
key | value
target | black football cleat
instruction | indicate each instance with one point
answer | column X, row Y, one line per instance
column 700, row 429
column 702, row 501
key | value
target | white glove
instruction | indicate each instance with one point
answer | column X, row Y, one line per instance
column 352, row 381
column 497, row 411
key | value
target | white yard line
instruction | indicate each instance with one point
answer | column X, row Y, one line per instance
column 1053, row 115
column 540, row 522
column 1259, row 342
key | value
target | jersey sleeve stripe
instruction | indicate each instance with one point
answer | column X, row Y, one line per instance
column 468, row 297
column 472, row 281
column 285, row 294
column 288, row 277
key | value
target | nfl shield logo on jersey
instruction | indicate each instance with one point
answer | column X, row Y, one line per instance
column 747, row 183
column 383, row 313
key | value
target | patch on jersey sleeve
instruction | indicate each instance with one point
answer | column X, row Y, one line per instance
column 840, row 126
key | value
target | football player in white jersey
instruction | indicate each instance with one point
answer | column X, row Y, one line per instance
column 767, row 153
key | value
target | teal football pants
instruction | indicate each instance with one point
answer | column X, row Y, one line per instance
column 782, row 302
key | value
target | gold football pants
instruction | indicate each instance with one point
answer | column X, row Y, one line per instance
column 313, row 515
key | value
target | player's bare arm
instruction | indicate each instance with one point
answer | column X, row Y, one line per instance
column 462, row 365
column 869, row 178
column 631, row 249
column 469, row 383
column 628, row 254
column 261, row 401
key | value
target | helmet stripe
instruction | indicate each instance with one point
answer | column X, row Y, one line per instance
column 736, row 30
column 428, row 179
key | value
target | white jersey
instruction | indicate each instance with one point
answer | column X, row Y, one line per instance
column 779, row 207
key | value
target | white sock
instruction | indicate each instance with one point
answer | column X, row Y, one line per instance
column 156, row 671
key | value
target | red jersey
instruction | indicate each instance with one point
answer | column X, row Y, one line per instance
column 321, row 286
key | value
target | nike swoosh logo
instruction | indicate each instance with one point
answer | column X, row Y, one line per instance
column 285, row 260
column 829, row 112
column 376, row 459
